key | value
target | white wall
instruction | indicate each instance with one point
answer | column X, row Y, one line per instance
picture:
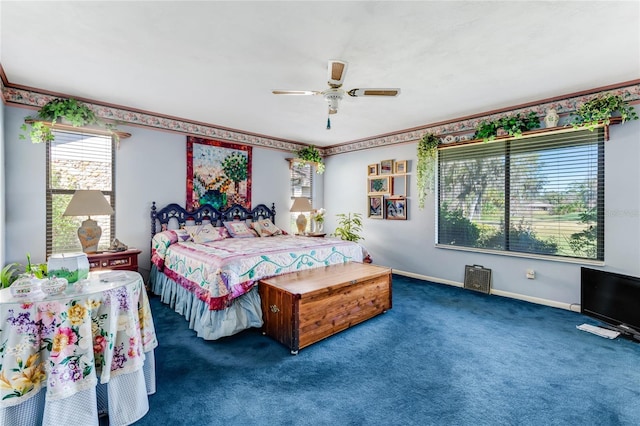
column 408, row 246
column 150, row 166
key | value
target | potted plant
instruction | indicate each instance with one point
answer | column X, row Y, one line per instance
column 349, row 227
column 511, row 125
column 600, row 110
column 73, row 112
column 312, row 155
column 427, row 149
column 13, row 271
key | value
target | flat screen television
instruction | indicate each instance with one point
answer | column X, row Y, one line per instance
column 611, row 298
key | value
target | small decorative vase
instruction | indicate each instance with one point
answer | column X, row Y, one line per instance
column 551, row 119
column 25, row 286
column 54, row 285
column 319, row 227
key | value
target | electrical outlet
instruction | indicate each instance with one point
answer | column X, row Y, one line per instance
column 531, row 274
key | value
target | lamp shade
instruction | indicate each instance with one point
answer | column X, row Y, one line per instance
column 87, row 202
column 301, row 204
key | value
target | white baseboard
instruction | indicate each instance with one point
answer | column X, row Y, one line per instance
column 555, row 304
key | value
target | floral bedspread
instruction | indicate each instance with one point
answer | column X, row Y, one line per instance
column 68, row 342
column 220, row 271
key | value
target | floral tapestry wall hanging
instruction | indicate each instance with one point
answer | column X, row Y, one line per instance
column 218, row 173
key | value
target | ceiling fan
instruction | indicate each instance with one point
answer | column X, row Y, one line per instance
column 334, row 94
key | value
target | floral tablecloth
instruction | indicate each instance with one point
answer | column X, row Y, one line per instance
column 70, row 341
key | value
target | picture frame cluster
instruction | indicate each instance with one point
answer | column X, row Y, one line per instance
column 386, row 190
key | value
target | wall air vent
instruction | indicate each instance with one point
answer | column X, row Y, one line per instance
column 477, row 278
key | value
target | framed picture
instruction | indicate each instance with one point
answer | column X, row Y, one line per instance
column 218, row 173
column 396, row 208
column 386, row 167
column 372, row 170
column 376, row 207
column 380, row 185
column 399, row 185
column 400, row 167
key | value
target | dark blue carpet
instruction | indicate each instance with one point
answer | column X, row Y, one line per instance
column 442, row 355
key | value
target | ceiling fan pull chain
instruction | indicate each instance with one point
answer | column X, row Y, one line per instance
column 328, row 123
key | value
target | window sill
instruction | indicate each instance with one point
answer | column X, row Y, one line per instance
column 575, row 260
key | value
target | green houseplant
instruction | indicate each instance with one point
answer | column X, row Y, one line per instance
column 512, row 125
column 425, row 169
column 75, row 113
column 13, row 271
column 349, row 227
column 600, row 110
column 312, row 155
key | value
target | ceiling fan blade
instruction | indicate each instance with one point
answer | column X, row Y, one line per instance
column 337, row 71
column 296, row 92
column 373, row 92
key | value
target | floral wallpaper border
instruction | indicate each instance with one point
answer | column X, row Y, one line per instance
column 32, row 98
column 467, row 127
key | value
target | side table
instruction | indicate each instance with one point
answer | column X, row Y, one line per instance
column 118, row 260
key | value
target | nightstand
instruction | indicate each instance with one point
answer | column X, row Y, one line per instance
column 119, row 260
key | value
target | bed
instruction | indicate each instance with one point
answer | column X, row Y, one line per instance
column 211, row 277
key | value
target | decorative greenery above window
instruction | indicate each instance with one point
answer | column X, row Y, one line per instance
column 512, row 125
column 312, row 155
column 601, row 109
column 77, row 114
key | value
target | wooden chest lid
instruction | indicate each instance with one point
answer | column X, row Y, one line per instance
column 311, row 282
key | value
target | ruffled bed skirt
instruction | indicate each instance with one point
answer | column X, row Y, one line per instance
column 245, row 311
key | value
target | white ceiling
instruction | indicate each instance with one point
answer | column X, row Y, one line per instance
column 217, row 62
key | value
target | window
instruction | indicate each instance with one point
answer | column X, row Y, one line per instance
column 301, row 186
column 77, row 161
column 547, row 191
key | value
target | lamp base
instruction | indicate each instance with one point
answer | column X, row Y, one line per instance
column 301, row 223
column 89, row 235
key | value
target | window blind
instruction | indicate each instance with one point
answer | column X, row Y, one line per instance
column 540, row 195
column 77, row 160
column 301, row 183
column 301, row 178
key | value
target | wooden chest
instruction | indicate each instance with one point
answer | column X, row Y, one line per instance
column 304, row 307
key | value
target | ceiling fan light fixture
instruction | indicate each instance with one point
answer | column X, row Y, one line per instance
column 333, row 98
column 336, row 72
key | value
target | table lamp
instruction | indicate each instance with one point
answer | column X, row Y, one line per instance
column 301, row 205
column 87, row 202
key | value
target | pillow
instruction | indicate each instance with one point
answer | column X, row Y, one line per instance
column 265, row 228
column 204, row 233
column 182, row 234
column 239, row 230
column 159, row 245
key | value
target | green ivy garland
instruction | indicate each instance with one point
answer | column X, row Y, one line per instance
column 600, row 109
column 427, row 149
column 311, row 154
column 513, row 125
column 78, row 114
